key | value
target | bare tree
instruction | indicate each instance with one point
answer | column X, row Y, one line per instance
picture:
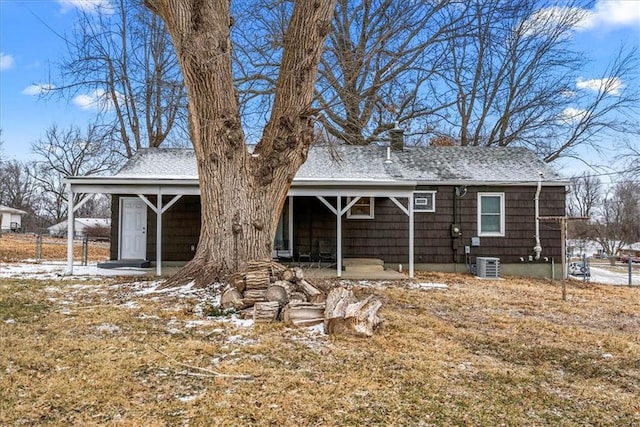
column 631, row 156
column 124, row 59
column 585, row 195
column 515, row 80
column 62, row 153
column 380, row 59
column 584, row 200
column 618, row 223
column 17, row 190
column 242, row 193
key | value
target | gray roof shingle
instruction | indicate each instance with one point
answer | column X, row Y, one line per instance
column 351, row 163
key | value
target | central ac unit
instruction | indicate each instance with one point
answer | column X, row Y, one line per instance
column 488, row 268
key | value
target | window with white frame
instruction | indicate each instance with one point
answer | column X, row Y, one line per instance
column 424, row 201
column 362, row 209
column 491, row 214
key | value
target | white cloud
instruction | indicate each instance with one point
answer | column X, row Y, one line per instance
column 96, row 100
column 90, row 6
column 612, row 13
column 37, row 89
column 611, row 85
column 572, row 115
column 6, row 61
column 547, row 19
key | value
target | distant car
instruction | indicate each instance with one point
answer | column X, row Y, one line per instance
column 625, row 259
column 578, row 269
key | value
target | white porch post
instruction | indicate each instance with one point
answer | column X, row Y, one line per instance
column 339, row 237
column 70, row 222
column 290, row 225
column 158, row 209
column 159, row 213
column 411, row 237
column 409, row 212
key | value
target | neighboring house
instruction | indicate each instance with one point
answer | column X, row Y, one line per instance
column 632, row 249
column 427, row 208
column 11, row 219
column 582, row 247
column 80, row 226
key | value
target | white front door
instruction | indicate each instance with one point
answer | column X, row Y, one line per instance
column 133, row 228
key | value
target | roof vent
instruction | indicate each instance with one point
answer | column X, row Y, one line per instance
column 388, row 159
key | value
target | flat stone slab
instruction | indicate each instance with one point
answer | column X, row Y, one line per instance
column 360, row 268
column 362, row 261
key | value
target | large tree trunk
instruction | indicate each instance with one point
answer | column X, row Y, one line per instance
column 242, row 193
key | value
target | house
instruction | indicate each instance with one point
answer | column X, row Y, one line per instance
column 632, row 250
column 81, row 225
column 11, row 219
column 425, row 208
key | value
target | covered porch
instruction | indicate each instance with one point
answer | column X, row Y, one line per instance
column 158, row 195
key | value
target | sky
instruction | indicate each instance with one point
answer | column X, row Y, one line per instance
column 31, row 44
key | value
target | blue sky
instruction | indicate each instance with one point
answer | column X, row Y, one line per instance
column 31, row 45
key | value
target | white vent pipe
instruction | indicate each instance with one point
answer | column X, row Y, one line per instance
column 537, row 249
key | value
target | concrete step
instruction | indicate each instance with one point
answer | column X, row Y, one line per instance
column 362, row 261
column 119, row 263
column 363, row 265
column 363, row 268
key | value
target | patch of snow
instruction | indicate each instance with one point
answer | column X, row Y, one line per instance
column 31, row 269
column 234, row 338
column 428, row 286
column 316, row 329
column 195, row 323
column 108, row 328
column 237, row 321
column 187, row 399
column 602, row 275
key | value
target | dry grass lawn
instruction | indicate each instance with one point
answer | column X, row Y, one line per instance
column 482, row 353
column 18, row 247
column 508, row 352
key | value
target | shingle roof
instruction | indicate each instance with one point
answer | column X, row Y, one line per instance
column 370, row 163
column 7, row 209
column 161, row 163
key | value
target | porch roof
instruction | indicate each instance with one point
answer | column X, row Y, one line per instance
column 7, row 209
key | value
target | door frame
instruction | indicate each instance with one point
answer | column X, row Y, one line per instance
column 120, row 227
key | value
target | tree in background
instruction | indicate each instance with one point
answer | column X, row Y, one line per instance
column 381, row 58
column 123, row 57
column 586, row 194
column 584, row 200
column 514, row 79
column 618, row 220
column 70, row 152
column 481, row 72
column 18, row 190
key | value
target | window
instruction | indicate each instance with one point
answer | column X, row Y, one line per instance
column 362, row 209
column 491, row 214
column 424, row 201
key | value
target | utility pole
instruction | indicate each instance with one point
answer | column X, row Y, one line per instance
column 563, row 232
